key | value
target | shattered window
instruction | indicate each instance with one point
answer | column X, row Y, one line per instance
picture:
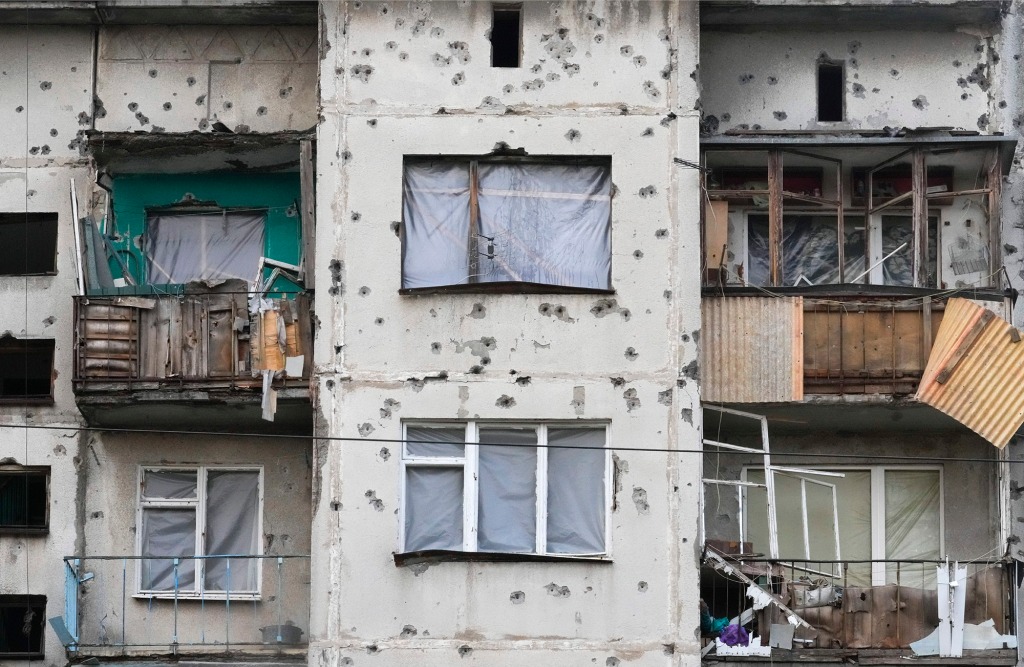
column 177, row 521
column 21, row 626
column 810, row 252
column 211, row 246
column 499, row 222
column 906, row 500
column 534, row 489
column 24, row 500
column 26, row 369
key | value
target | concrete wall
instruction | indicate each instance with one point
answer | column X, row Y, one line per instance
column 605, row 79
column 110, row 504
column 171, row 78
column 910, row 78
column 45, row 81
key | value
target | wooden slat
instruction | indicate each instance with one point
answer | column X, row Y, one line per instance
column 920, row 212
column 307, row 184
column 775, row 251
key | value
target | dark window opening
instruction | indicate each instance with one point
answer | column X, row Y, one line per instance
column 505, row 36
column 24, row 500
column 831, row 90
column 21, row 626
column 26, row 369
column 28, row 244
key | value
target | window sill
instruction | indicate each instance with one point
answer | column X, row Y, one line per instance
column 197, row 597
column 26, row 400
column 27, row 531
column 450, row 556
column 502, row 288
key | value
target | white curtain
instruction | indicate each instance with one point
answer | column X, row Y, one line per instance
column 232, row 527
column 507, row 520
column 551, row 224
column 186, row 247
column 576, row 491
column 436, row 224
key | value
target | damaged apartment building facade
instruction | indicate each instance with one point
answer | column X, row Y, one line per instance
column 634, row 321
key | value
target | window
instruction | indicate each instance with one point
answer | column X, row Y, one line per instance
column 28, row 244
column 187, row 246
column 831, row 90
column 884, row 514
column 26, row 370
column 206, row 511
column 21, row 626
column 24, row 500
column 516, row 489
column 506, row 34
column 502, row 221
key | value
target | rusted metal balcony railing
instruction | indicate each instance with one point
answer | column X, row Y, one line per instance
column 858, row 604
column 136, row 606
column 192, row 341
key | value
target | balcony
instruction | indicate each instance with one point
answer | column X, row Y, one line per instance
column 153, row 359
column 828, row 611
column 106, row 617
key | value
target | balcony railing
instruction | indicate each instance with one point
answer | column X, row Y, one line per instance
column 854, row 605
column 262, row 608
column 192, row 341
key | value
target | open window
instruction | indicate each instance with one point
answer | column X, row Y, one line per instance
column 520, row 223
column 538, row 489
column 28, row 244
column 831, row 90
column 24, row 500
column 26, row 370
column 21, row 627
column 197, row 530
column 506, row 35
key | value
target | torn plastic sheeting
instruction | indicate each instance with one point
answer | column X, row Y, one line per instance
column 980, row 637
column 186, row 247
column 760, row 597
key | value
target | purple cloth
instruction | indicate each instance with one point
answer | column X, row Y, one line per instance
column 735, row 635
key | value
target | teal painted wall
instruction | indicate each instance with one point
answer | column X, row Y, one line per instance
column 279, row 194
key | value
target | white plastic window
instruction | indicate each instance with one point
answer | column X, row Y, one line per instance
column 211, row 512
column 885, row 513
column 475, row 222
column 527, row 489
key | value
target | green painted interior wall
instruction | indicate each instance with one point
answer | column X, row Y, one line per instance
column 278, row 193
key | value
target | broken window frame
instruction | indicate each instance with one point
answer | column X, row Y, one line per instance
column 36, row 603
column 918, row 199
column 479, row 246
column 36, row 526
column 200, row 506
column 469, row 463
column 31, row 223
column 42, row 346
column 879, row 544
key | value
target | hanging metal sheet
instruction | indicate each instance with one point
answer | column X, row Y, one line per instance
column 975, row 373
column 752, row 349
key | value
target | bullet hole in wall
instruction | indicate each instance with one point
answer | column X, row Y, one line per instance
column 517, row 597
column 557, row 591
column 631, row 354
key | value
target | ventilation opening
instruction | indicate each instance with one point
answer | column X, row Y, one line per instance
column 21, row 626
column 26, row 369
column 23, row 500
column 831, row 85
column 28, row 244
column 506, row 31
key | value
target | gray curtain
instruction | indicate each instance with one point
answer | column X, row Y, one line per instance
column 436, row 215
column 232, row 527
column 508, row 491
column 186, row 247
column 576, row 491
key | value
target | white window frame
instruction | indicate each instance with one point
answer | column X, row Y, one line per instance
column 470, row 496
column 199, row 503
column 878, row 573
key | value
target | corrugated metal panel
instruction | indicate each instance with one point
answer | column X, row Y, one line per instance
column 983, row 369
column 752, row 349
